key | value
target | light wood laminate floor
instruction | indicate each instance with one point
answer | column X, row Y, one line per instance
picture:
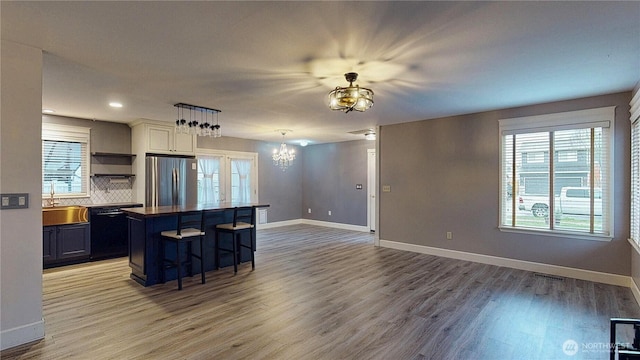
column 322, row 293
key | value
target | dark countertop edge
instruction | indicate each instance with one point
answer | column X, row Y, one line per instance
column 173, row 210
column 105, row 205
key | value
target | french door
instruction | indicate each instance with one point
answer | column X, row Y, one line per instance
column 227, row 177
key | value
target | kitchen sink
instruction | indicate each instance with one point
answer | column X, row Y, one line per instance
column 60, row 215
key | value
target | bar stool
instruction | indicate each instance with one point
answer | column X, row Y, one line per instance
column 190, row 227
column 244, row 221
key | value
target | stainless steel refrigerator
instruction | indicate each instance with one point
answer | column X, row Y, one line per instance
column 171, row 181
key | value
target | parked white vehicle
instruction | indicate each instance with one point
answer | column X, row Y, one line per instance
column 572, row 200
column 576, row 200
column 537, row 204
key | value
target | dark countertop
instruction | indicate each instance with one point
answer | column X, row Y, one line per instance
column 172, row 210
column 105, row 205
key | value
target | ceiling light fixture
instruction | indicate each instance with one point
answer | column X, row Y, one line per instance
column 370, row 135
column 283, row 157
column 115, row 104
column 351, row 97
column 48, row 111
column 195, row 127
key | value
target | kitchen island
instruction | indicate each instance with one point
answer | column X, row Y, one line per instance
column 146, row 223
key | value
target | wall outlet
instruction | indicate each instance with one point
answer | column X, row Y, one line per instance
column 449, row 235
column 309, row 211
column 329, row 212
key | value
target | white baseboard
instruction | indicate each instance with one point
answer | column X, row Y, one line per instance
column 313, row 222
column 589, row 275
column 276, row 224
column 336, row 225
column 21, row 335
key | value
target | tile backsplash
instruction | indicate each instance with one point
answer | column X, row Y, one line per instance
column 104, row 190
column 111, row 190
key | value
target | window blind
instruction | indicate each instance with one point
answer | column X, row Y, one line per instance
column 546, row 160
column 65, row 160
column 635, row 166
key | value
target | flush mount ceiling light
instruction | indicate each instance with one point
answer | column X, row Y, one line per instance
column 195, row 127
column 370, row 135
column 351, row 97
column 283, row 157
column 115, row 104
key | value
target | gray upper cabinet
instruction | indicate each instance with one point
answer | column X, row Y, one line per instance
column 110, row 138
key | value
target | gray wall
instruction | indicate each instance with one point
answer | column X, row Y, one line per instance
column 20, row 172
column 444, row 176
column 108, row 137
column 329, row 177
column 281, row 189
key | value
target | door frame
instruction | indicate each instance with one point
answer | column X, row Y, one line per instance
column 372, row 193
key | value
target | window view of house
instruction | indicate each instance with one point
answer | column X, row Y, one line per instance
column 62, row 167
column 65, row 165
column 566, row 191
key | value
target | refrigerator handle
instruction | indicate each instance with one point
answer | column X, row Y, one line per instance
column 173, row 186
column 177, row 186
column 154, row 181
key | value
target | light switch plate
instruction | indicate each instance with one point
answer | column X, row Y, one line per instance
column 386, row 188
column 14, row 201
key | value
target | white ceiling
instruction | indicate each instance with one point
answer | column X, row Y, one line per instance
column 269, row 65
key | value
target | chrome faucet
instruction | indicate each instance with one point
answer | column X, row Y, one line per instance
column 52, row 200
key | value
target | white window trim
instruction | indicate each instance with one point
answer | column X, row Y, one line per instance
column 597, row 117
column 57, row 132
column 227, row 154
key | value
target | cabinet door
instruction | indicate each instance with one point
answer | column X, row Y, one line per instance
column 185, row 144
column 48, row 244
column 73, row 241
column 160, row 139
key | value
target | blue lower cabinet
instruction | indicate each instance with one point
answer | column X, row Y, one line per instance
column 66, row 244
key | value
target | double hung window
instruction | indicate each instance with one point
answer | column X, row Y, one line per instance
column 556, row 173
column 65, row 161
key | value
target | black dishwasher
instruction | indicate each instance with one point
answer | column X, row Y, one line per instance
column 109, row 231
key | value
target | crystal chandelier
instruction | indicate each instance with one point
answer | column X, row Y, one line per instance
column 351, row 97
column 194, row 127
column 283, row 157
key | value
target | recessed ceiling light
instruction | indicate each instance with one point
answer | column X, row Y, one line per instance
column 48, row 111
column 115, row 104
